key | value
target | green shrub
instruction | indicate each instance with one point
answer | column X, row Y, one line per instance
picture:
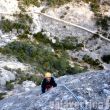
column 35, row 79
column 2, row 95
column 106, row 58
column 95, row 7
column 92, row 1
column 23, row 23
column 49, row 2
column 22, row 78
column 2, row 17
column 30, row 2
column 41, row 38
column 6, row 25
column 72, row 70
column 86, row 1
column 24, row 18
column 9, row 85
column 7, row 68
column 76, row 69
column 57, row 2
column 95, row 63
column 39, row 55
column 23, row 36
column 62, row 16
column 103, row 22
column 69, row 43
column 95, row 36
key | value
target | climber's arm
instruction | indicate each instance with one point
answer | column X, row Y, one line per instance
column 54, row 83
column 43, row 86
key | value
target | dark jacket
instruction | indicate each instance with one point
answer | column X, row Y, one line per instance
column 47, row 85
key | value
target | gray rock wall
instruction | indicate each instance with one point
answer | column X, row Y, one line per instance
column 62, row 30
column 91, row 89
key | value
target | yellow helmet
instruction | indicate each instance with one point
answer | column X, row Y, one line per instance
column 47, row 75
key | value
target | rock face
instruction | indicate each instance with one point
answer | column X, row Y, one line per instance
column 91, row 88
column 5, row 76
column 71, row 12
column 8, row 67
column 8, row 6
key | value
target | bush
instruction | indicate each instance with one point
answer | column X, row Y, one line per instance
column 2, row 95
column 6, row 25
column 95, row 63
column 23, row 36
column 30, row 2
column 72, row 70
column 69, row 43
column 23, row 23
column 34, row 78
column 95, row 7
column 103, row 22
column 41, row 38
column 95, row 36
column 39, row 55
column 76, row 69
column 9, row 85
column 49, row 2
column 22, row 78
column 106, row 58
column 24, row 18
column 57, row 2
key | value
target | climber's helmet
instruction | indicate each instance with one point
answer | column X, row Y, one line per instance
column 48, row 76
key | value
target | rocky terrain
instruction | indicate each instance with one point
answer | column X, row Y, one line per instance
column 91, row 88
column 61, row 37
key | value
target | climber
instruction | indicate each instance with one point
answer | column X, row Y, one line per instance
column 48, row 82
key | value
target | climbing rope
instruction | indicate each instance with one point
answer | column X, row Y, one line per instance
column 74, row 96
